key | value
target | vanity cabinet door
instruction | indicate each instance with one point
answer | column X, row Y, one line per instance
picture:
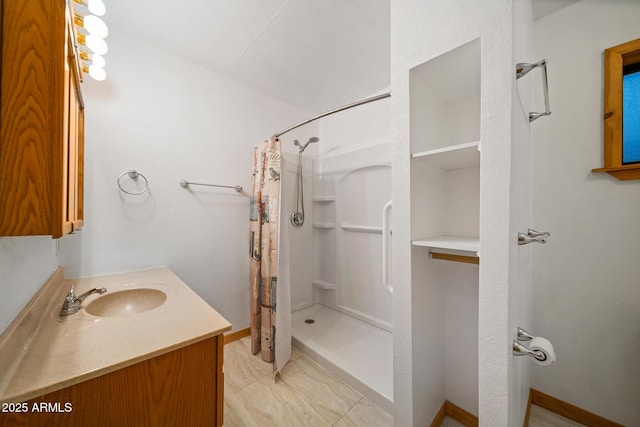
column 73, row 143
column 179, row 388
column 41, row 121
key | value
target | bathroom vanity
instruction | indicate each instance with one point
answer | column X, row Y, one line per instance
column 127, row 360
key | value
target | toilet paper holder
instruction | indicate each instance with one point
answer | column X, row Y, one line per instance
column 522, row 350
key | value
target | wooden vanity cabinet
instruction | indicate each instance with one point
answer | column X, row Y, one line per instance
column 41, row 120
column 180, row 388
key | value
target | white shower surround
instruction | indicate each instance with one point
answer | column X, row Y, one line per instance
column 343, row 138
column 350, row 183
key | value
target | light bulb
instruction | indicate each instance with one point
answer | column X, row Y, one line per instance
column 96, row 44
column 98, row 60
column 96, row 7
column 97, row 73
column 95, row 26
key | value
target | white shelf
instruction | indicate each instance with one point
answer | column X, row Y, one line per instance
column 324, row 199
column 325, row 225
column 459, row 243
column 459, row 156
column 323, row 285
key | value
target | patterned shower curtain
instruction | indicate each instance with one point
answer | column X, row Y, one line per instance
column 269, row 268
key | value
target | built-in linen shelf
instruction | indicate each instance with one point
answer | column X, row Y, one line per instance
column 324, row 225
column 469, row 246
column 456, row 243
column 361, row 228
column 452, row 248
column 324, row 199
column 321, row 284
column 459, row 156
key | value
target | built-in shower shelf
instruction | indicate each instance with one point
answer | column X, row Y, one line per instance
column 324, row 199
column 323, row 285
column 324, row 225
column 457, row 243
column 459, row 156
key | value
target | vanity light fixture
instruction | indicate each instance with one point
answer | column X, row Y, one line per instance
column 98, row 60
column 95, row 44
column 95, row 6
column 93, row 65
column 94, row 59
column 96, row 73
column 92, row 36
column 92, row 24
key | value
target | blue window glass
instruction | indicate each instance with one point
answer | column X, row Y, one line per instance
column 631, row 118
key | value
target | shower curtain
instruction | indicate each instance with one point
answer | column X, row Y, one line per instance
column 269, row 258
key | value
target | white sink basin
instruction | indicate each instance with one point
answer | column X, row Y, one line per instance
column 130, row 301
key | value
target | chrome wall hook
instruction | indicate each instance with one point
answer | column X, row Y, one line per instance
column 532, row 236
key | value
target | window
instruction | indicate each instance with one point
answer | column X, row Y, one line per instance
column 631, row 114
column 621, row 136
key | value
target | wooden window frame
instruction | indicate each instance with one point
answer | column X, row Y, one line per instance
column 615, row 59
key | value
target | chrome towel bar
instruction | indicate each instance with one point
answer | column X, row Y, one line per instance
column 522, row 69
column 184, row 183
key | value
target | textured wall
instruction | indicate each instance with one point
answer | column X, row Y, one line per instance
column 586, row 293
column 420, row 31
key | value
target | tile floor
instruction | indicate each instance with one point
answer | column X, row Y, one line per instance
column 309, row 395
column 306, row 394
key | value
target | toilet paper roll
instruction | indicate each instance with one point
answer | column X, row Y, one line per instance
column 543, row 345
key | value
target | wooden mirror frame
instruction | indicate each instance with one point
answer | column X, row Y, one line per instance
column 615, row 59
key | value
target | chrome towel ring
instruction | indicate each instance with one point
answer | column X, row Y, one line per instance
column 133, row 174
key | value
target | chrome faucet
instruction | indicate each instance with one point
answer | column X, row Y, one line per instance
column 72, row 302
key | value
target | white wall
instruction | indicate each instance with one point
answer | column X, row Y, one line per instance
column 25, row 264
column 586, row 292
column 171, row 119
column 359, row 127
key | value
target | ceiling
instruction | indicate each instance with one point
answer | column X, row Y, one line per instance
column 542, row 8
column 315, row 55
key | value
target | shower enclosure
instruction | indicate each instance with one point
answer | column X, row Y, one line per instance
column 342, row 305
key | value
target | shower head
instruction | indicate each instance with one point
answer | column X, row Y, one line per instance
column 311, row 140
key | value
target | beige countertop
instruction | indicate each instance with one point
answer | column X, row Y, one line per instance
column 42, row 352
